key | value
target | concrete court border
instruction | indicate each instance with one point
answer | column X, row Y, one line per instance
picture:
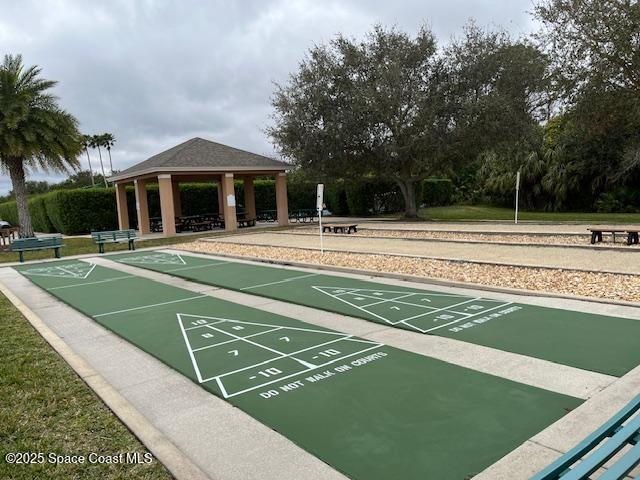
column 602, row 401
column 165, row 410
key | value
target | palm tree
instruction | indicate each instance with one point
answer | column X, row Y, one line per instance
column 86, row 143
column 108, row 141
column 34, row 131
column 96, row 142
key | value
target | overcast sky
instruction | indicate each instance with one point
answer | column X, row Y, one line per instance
column 156, row 73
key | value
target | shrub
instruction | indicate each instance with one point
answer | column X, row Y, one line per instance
column 335, row 197
column 437, row 192
column 79, row 211
column 9, row 212
column 39, row 217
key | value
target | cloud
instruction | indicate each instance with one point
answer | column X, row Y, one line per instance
column 155, row 73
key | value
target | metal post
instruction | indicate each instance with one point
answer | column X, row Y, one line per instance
column 517, row 194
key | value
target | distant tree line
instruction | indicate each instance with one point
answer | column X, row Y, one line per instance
column 561, row 106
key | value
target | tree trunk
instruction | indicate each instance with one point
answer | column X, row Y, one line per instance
column 104, row 177
column 408, row 189
column 16, row 172
column 93, row 182
column 110, row 162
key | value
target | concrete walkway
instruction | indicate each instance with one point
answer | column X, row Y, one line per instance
column 557, row 257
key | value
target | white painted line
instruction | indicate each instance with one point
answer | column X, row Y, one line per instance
column 281, row 281
column 356, row 306
column 396, row 300
column 243, row 322
column 148, row 306
column 440, row 310
column 180, row 269
column 304, row 371
column 284, row 355
column 189, row 349
column 92, row 283
column 245, row 340
column 234, row 340
column 466, row 318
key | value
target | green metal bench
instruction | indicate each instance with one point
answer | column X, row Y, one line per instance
column 114, row 236
column 22, row 245
column 576, row 465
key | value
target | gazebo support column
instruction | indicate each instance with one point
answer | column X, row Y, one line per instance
column 177, row 201
column 167, row 206
column 220, row 198
column 249, row 197
column 229, row 202
column 282, row 204
column 142, row 207
column 121, row 203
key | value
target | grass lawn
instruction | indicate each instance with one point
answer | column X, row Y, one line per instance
column 484, row 212
column 47, row 408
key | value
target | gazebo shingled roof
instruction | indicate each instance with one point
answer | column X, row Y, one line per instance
column 199, row 160
column 200, row 154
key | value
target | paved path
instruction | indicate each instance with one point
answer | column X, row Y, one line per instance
column 560, row 257
column 486, row 227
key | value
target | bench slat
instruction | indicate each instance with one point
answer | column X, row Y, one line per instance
column 623, row 466
column 553, row 471
column 605, row 452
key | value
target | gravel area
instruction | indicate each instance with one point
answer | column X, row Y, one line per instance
column 601, row 260
column 588, row 284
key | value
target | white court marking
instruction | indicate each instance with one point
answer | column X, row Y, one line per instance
column 290, row 279
column 91, row 283
column 159, row 258
column 148, row 306
column 397, row 304
column 213, row 323
column 79, row 271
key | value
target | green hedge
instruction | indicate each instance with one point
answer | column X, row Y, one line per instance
column 437, row 192
column 39, row 217
column 80, row 211
column 9, row 212
column 74, row 212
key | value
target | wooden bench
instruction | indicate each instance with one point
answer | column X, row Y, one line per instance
column 632, row 233
column 622, row 430
column 340, row 228
column 114, row 236
column 22, row 245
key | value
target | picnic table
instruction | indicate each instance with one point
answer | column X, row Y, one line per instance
column 7, row 233
column 303, row 215
column 631, row 232
column 340, row 228
column 267, row 216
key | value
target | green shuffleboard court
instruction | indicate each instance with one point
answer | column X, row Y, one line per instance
column 592, row 342
column 369, row 410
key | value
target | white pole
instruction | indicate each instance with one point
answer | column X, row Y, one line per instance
column 517, row 193
column 320, row 224
column 319, row 207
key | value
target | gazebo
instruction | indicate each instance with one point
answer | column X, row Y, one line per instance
column 198, row 160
